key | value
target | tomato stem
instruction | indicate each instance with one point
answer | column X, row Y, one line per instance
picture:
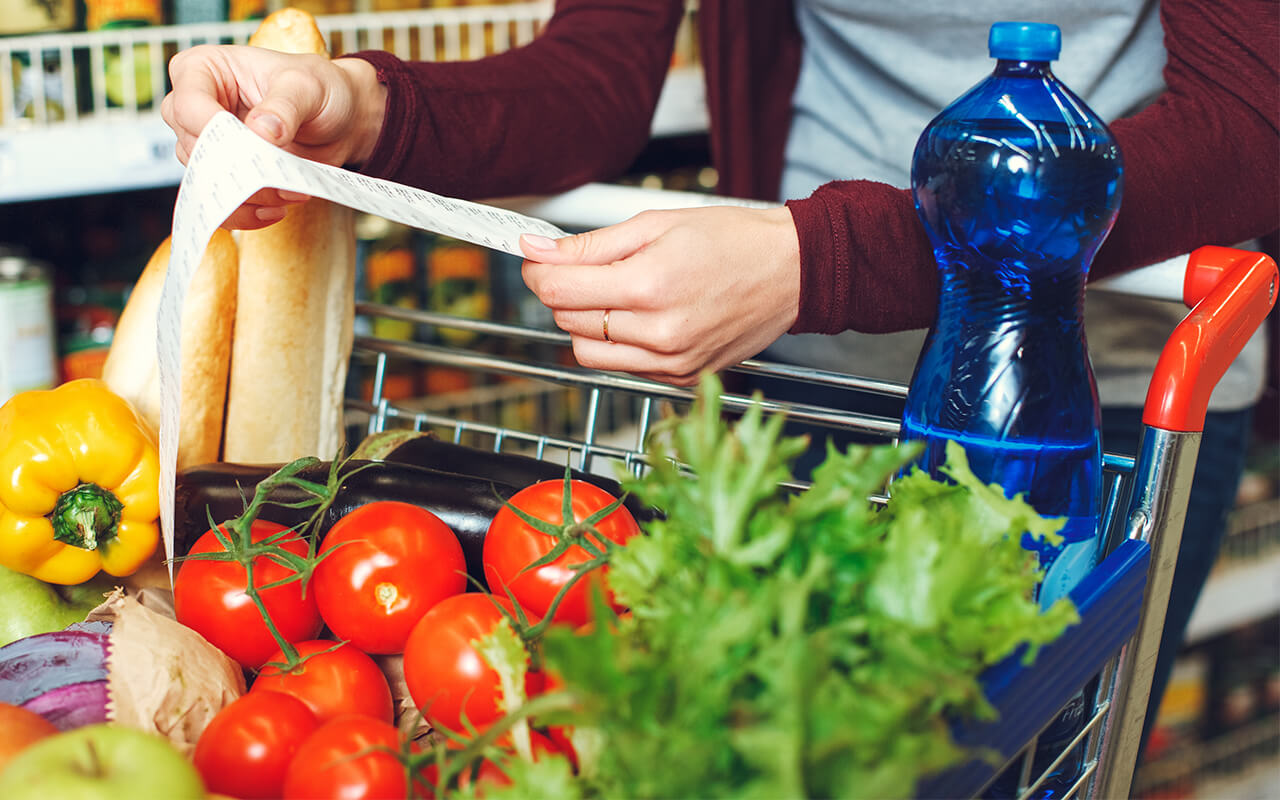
column 286, row 647
column 568, row 533
column 451, row 762
column 580, row 571
column 236, row 538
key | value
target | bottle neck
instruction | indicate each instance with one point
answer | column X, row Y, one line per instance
column 1013, row 68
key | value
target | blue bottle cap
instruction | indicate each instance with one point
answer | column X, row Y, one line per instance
column 1024, row 41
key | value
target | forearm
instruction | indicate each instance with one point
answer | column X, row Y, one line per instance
column 1202, row 163
column 865, row 261
column 572, row 106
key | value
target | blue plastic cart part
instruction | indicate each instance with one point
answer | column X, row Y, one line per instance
column 1027, row 698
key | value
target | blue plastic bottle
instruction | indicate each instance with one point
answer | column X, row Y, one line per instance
column 1018, row 183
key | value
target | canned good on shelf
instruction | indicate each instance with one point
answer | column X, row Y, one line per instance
column 36, row 16
column 458, row 283
column 27, row 351
column 39, row 84
column 246, row 9
column 100, row 14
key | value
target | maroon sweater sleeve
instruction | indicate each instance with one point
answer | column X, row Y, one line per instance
column 1202, row 166
column 572, row 106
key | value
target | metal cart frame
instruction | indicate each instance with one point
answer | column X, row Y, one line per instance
column 1122, row 602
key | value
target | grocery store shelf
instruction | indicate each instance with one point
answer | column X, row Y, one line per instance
column 1236, row 595
column 88, row 157
column 111, row 138
column 94, row 156
column 1259, row 781
column 1243, row 763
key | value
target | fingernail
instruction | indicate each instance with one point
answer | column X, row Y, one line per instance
column 536, row 242
column 271, row 124
column 270, row 213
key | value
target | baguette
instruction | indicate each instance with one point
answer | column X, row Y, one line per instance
column 289, row 30
column 131, row 369
column 294, row 312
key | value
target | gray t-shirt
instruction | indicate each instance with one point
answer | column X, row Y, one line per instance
column 874, row 74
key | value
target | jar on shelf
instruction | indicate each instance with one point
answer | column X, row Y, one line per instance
column 36, row 16
column 127, row 70
column 190, row 12
column 108, row 14
column 38, row 87
column 240, row 10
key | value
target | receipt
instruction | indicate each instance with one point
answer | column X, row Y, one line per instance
column 227, row 166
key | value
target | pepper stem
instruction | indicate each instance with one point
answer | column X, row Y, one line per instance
column 87, row 517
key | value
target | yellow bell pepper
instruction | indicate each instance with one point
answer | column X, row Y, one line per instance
column 79, row 484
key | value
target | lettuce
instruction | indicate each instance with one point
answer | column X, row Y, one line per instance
column 796, row 644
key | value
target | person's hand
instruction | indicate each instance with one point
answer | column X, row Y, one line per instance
column 676, row 292
column 323, row 110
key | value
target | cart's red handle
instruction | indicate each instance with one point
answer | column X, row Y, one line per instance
column 1230, row 292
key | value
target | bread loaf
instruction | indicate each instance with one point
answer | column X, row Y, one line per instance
column 294, row 313
column 289, row 30
column 131, row 369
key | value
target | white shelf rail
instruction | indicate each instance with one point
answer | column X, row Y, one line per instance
column 79, row 112
column 55, row 78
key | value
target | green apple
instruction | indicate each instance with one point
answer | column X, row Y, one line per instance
column 101, row 762
column 29, row 606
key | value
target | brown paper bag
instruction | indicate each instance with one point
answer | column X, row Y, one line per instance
column 162, row 676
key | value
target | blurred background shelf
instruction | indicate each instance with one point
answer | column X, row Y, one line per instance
column 79, row 111
column 87, row 157
column 1245, row 585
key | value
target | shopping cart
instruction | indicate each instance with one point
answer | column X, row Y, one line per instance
column 1121, row 603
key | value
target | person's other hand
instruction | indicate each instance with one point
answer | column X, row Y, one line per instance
column 685, row 291
column 324, row 110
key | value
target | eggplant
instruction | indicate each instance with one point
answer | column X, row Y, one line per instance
column 467, row 504
column 430, row 452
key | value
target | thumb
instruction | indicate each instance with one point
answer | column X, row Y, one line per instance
column 602, row 246
column 293, row 98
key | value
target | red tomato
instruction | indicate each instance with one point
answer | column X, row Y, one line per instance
column 393, row 562
column 511, row 545
column 246, row 748
column 445, row 674
column 341, row 681
column 209, row 597
column 327, row 764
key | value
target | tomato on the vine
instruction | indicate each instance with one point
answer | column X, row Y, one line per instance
column 246, row 748
column 446, row 675
column 334, row 679
column 209, row 597
column 351, row 757
column 386, row 563
column 511, row 545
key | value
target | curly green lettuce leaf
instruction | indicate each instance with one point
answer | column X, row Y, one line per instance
column 784, row 644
